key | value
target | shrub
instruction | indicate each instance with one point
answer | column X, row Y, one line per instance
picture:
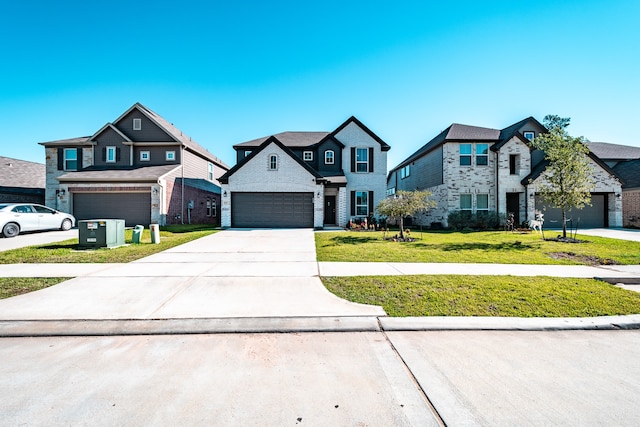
column 460, row 220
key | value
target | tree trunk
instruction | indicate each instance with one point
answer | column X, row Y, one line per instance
column 401, row 227
column 564, row 224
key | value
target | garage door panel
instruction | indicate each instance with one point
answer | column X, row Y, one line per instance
column 134, row 208
column 593, row 216
column 272, row 210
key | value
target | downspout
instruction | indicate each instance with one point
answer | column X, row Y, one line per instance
column 498, row 185
column 182, row 184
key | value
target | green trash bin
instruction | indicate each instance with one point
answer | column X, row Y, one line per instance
column 137, row 233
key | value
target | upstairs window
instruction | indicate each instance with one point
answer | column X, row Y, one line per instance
column 514, row 164
column 530, row 135
column 210, row 172
column 170, row 156
column 362, row 160
column 137, row 124
column 482, row 154
column 247, row 152
column 145, row 156
column 273, row 162
column 111, row 155
column 307, row 156
column 70, row 159
column 405, row 172
column 329, row 157
column 465, row 154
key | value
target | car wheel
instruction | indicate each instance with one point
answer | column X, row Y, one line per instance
column 11, row 230
column 66, row 225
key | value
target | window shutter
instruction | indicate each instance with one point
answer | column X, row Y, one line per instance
column 60, row 158
column 370, row 159
column 371, row 202
column 117, row 154
column 353, row 160
column 353, row 203
column 104, row 154
column 79, row 158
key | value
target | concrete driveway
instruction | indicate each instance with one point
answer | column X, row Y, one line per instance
column 36, row 238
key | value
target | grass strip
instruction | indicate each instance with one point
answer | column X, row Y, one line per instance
column 12, row 286
column 456, row 295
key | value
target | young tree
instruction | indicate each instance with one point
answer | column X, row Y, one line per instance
column 405, row 203
column 568, row 175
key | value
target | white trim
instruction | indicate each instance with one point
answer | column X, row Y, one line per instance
column 111, row 149
column 170, row 156
column 333, row 157
column 362, row 162
column 137, row 124
column 307, row 156
column 142, row 156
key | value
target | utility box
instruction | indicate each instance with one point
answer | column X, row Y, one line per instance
column 101, row 233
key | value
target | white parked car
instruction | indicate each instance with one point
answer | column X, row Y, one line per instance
column 18, row 217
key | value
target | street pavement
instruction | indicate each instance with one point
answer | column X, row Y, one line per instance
column 237, row 329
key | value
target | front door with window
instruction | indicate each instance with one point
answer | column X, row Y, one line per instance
column 330, row 210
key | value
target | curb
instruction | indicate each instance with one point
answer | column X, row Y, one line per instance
column 119, row 327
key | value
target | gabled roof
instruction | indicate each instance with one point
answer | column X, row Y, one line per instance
column 540, row 167
column 629, row 173
column 121, row 174
column 69, row 142
column 224, row 179
column 608, row 151
column 21, row 173
column 173, row 132
column 310, row 139
column 110, row 126
column 514, row 130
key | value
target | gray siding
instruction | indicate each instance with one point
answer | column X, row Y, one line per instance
column 194, row 166
column 157, row 155
column 150, row 132
column 334, row 169
column 426, row 172
column 110, row 138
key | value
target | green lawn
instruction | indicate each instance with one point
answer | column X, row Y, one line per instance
column 474, row 247
column 67, row 251
column 510, row 296
column 12, row 286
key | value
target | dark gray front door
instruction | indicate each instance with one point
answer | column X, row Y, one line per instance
column 594, row 216
column 329, row 210
column 513, row 206
column 134, row 208
column 271, row 210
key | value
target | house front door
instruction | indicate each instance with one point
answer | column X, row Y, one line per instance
column 329, row 209
column 513, row 206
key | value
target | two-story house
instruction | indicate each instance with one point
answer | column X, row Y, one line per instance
column 482, row 169
column 139, row 168
column 306, row 179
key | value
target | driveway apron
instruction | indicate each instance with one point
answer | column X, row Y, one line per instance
column 233, row 273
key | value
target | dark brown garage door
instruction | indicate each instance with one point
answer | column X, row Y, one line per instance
column 134, row 208
column 594, row 216
column 272, row 210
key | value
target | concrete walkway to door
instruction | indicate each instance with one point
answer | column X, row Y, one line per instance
column 231, row 274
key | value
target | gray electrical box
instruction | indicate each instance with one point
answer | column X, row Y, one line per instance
column 101, row 233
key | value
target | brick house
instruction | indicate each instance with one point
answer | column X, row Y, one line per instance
column 306, row 179
column 483, row 169
column 139, row 168
column 21, row 181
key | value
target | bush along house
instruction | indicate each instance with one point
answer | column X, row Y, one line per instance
column 484, row 170
column 139, row 168
column 306, row 179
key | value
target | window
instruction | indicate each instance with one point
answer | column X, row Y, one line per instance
column 210, row 172
column 247, row 152
column 137, row 124
column 273, row 162
column 465, row 154
column 329, row 158
column 482, row 154
column 307, row 156
column 482, row 202
column 170, row 155
column 211, row 207
column 362, row 160
column 530, row 135
column 70, row 159
column 111, row 154
column 145, row 156
column 405, row 172
column 391, row 191
column 465, row 202
column 514, row 163
column 362, row 203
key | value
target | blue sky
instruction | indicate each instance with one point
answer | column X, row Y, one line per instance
column 228, row 72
